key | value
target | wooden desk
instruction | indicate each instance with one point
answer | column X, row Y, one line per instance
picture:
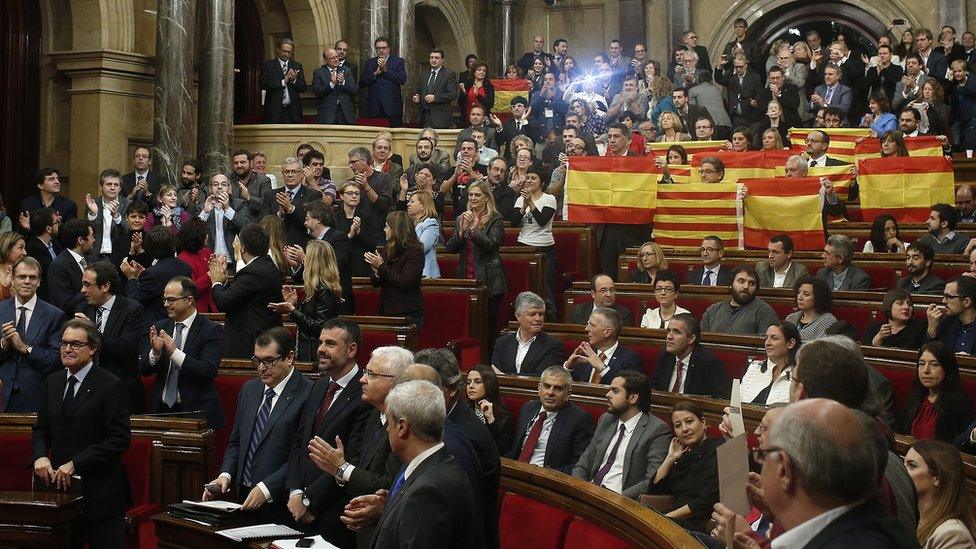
column 176, row 533
column 37, row 519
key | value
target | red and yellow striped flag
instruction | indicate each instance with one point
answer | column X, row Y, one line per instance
column 840, row 175
column 842, row 140
column 605, row 189
column 692, row 148
column 745, row 165
column 507, row 89
column 905, row 187
column 687, row 213
column 923, row 145
column 782, row 205
column 681, row 173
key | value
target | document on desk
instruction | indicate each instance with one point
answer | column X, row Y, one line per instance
column 258, row 531
column 215, row 505
column 318, row 542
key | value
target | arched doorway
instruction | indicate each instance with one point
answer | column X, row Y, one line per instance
column 829, row 18
column 248, row 55
column 20, row 29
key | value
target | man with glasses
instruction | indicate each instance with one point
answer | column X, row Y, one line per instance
column 335, row 89
column 952, row 323
column 283, row 81
column 817, row 143
column 712, row 272
column 184, row 352
column 289, row 202
column 690, row 40
column 601, row 357
column 375, row 186
column 742, row 88
column 712, row 170
column 709, row 97
column 269, row 408
column 383, row 77
column 602, row 290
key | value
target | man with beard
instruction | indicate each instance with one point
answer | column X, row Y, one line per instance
column 952, row 322
column 190, row 194
column 498, row 181
column 942, row 236
column 466, row 171
column 743, row 314
column 920, row 279
column 248, row 185
column 423, row 158
column 477, row 119
column 686, row 367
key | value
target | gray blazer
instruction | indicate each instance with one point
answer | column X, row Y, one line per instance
column 709, row 96
column 646, row 450
column 856, row 278
column 767, row 276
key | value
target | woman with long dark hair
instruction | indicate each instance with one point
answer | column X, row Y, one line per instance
column 191, row 247
column 885, row 237
column 476, row 90
column 398, row 274
column 938, row 408
column 481, row 390
column 768, row 381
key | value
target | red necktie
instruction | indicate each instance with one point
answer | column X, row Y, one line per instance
column 324, row 407
column 533, row 439
column 680, row 368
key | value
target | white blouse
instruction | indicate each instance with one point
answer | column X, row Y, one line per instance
column 755, row 380
column 652, row 318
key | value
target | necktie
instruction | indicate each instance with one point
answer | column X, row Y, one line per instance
column 50, row 250
column 83, row 263
column 830, row 95
column 595, row 376
column 430, row 81
column 99, row 313
column 173, row 378
column 324, row 407
column 533, row 439
column 398, row 483
column 679, row 368
column 69, row 395
column 598, row 477
column 259, row 425
column 707, row 278
column 22, row 321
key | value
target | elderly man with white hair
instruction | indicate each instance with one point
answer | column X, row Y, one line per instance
column 529, row 350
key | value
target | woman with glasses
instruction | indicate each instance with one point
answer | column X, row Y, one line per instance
column 938, row 408
column 813, row 302
column 945, row 507
column 902, row 330
column 363, row 236
column 650, row 260
column 398, row 269
column 768, row 381
column 666, row 288
column 481, row 390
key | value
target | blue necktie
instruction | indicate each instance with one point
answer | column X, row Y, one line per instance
column 171, row 388
column 398, row 483
column 259, row 424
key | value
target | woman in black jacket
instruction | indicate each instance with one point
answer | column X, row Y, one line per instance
column 363, row 236
column 481, row 389
column 938, row 409
column 323, row 294
column 398, row 274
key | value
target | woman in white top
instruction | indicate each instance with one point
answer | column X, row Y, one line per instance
column 666, row 288
column 885, row 237
column 944, row 505
column 768, row 381
column 814, row 299
column 534, row 212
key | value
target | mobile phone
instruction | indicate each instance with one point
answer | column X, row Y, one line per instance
column 305, row 542
column 897, row 21
column 214, row 488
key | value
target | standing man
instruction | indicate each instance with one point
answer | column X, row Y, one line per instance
column 831, row 93
column 688, row 113
column 375, row 187
column 383, row 76
column 686, row 367
column 342, row 48
column 283, row 81
column 190, row 194
column 224, row 216
column 712, row 272
column 82, row 431
column 779, row 270
column 43, row 244
column 529, row 350
column 48, row 183
column 142, row 183
column 436, row 92
column 742, row 88
column 248, row 185
column 105, row 213
column 335, row 90
column 529, row 57
column 64, row 275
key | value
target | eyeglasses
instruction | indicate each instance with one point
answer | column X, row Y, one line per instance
column 706, row 249
column 759, row 454
column 647, row 254
column 351, row 193
column 951, row 296
column 664, row 291
column 73, row 345
column 371, row 375
column 266, row 362
column 171, row 300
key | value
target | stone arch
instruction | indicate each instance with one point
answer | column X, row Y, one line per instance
column 313, row 24
column 460, row 22
column 118, row 27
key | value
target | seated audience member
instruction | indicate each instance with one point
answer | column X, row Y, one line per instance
column 672, row 130
column 884, row 237
column 255, row 463
column 440, row 157
column 740, row 140
column 529, row 350
column 481, row 390
column 42, row 242
column 677, row 155
column 146, row 284
column 938, row 408
column 601, row 356
column 552, row 431
column 893, row 144
column 945, row 506
column 64, row 273
column 902, row 330
column 686, row 367
column 362, row 234
column 184, row 352
column 712, row 272
column 603, row 292
column 813, row 303
column 831, row 117
column 779, row 270
column 625, row 466
column 920, row 279
column 167, row 213
column 942, row 236
column 767, row 381
column 11, row 251
column 770, row 140
column 191, row 248
column 838, row 271
column 965, row 204
column 689, row 472
column 423, row 213
column 397, row 271
column 666, row 288
column 952, row 322
column 650, row 261
column 48, row 183
column 744, row 313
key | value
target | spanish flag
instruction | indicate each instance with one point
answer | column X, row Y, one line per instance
column 692, row 148
column 745, row 165
column 842, row 140
column 840, row 175
column 507, row 89
column 782, row 205
column 611, row 189
column 923, row 145
column 686, row 214
column 905, row 187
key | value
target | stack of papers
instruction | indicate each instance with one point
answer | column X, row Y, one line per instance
column 258, row 531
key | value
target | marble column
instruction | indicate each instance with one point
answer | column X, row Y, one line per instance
column 405, row 45
column 679, row 21
column 507, row 32
column 215, row 113
column 376, row 23
column 632, row 25
column 173, row 112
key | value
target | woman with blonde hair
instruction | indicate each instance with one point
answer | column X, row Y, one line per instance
column 944, row 505
column 12, row 250
column 660, row 99
column 650, row 261
column 277, row 245
column 423, row 212
column 672, row 129
column 168, row 212
column 323, row 294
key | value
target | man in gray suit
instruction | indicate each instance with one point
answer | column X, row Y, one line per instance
column 225, row 216
column 436, row 92
column 779, row 270
column 838, row 271
column 335, row 88
column 105, row 212
column 629, row 443
column 249, row 185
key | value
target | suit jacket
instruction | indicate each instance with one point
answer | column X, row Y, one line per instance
column 842, row 99
column 582, row 311
column 399, row 283
column 231, row 227
column 262, row 200
column 203, row 346
column 271, row 80
column 735, row 92
column 376, row 464
column 153, row 180
column 147, row 288
column 26, row 373
column 489, row 460
column 435, row 508
column 444, row 88
column 856, row 279
column 704, row 375
column 936, row 66
column 544, row 351
column 569, row 437
column 270, row 461
column 245, row 300
column 63, row 205
column 333, row 99
column 294, row 222
column 646, row 450
column 510, row 130
column 883, row 80
column 64, row 282
column 724, row 275
column 622, row 359
column 93, row 434
column 36, row 249
column 707, row 95
column 694, row 113
column 119, row 353
column 487, row 262
column 98, row 226
column 931, row 284
column 866, row 525
column 767, row 275
column 383, row 92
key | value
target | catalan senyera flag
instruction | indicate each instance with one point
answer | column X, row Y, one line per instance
column 611, row 189
column 507, row 89
column 905, row 187
column 745, row 165
column 693, row 148
column 783, row 205
column 842, row 140
column 923, row 145
column 682, row 173
column 687, row 213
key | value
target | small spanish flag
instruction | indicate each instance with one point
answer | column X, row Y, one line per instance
column 782, row 205
column 905, row 187
column 842, row 140
column 507, row 89
column 686, row 214
column 745, row 165
column 611, row 189
column 923, row 145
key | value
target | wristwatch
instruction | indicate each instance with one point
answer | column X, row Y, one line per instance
column 305, row 501
column 341, row 471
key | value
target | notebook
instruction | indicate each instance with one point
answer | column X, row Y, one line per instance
column 258, row 531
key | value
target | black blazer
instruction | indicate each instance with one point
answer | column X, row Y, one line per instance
column 119, row 353
column 582, row 311
column 444, row 88
column 93, row 434
column 570, row 435
column 36, row 249
column 705, row 374
column 724, row 275
column 740, row 93
column 376, row 464
column 204, row 347
column 98, row 227
column 245, row 301
column 231, row 227
column 63, row 205
column 64, row 283
column 370, row 236
column 487, row 263
column 309, row 316
column 28, row 372
column 294, row 222
column 510, row 130
column 399, row 283
column 147, row 288
column 867, row 526
column 954, row 418
column 153, row 180
column 342, row 247
column 270, row 79
column 544, row 352
column 693, row 481
column 489, row 458
column 622, row 359
column 333, row 100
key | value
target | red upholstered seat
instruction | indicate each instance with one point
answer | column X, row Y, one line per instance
column 882, row 276
column 15, row 457
column 446, row 317
column 228, row 389
column 782, row 308
column 696, row 304
column 586, row 535
column 514, row 404
column 857, row 316
column 528, row 524
column 901, row 384
column 373, row 339
column 516, row 273
column 138, row 468
column 367, row 300
column 634, row 304
column 734, row 361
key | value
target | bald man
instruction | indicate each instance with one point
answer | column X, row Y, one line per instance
column 965, row 204
column 529, row 57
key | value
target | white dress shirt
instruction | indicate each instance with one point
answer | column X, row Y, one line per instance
column 522, row 349
column 421, row 457
column 177, row 357
column 800, row 535
column 107, row 306
column 30, row 305
column 614, row 480
column 80, row 376
column 607, row 354
column 684, row 372
column 539, row 454
column 780, row 278
column 77, row 257
column 714, row 270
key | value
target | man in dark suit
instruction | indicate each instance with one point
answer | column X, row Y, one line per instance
column 320, row 224
column 686, row 367
column 839, row 272
column 601, row 357
column 920, row 279
column 934, row 63
column 142, row 183
column 518, row 124
column 334, row 409
column 335, row 88
column 64, row 274
column 552, row 432
column 48, row 183
column 121, row 322
column 528, row 58
column 383, row 76
column 145, row 285
column 529, row 350
column 712, row 272
column 250, row 186
column 832, row 93
column 255, row 463
column 688, row 113
column 342, row 48
column 436, row 92
column 43, row 243
column 225, row 216
column 628, row 416
column 31, row 331
column 742, row 87
column 602, row 290
column 283, row 81
column 245, row 299
column 289, row 202
column 82, row 430
column 184, row 352
column 816, row 150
